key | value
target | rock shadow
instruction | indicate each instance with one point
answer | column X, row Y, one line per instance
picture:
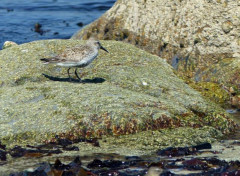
column 84, row 81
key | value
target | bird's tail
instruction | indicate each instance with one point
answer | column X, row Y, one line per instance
column 52, row 60
column 45, row 60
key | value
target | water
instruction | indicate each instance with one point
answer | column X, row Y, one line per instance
column 58, row 18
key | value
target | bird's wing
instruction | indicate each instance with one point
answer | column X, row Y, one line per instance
column 75, row 54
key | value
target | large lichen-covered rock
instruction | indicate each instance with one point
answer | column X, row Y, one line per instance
column 190, row 35
column 125, row 92
column 173, row 28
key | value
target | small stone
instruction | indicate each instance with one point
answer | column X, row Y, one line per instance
column 236, row 55
column 227, row 26
column 144, row 83
column 8, row 44
column 235, row 101
column 231, row 90
column 154, row 171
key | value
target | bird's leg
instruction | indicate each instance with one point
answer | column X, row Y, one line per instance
column 77, row 75
column 69, row 74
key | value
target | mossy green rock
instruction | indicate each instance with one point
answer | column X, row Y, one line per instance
column 125, row 92
column 226, row 73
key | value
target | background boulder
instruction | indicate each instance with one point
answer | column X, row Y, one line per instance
column 191, row 35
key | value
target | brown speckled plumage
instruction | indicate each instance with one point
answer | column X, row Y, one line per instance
column 79, row 56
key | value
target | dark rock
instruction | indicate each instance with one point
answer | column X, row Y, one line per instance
column 195, row 164
column 3, row 147
column 17, row 151
column 59, row 166
column 94, row 142
column 73, row 148
column 68, row 173
column 3, row 155
column 76, row 162
column 96, row 164
column 174, row 152
column 63, row 142
column 203, row 146
column 37, row 28
column 80, row 24
column 113, row 163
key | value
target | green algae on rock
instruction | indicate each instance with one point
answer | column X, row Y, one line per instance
column 139, row 92
column 226, row 73
column 211, row 90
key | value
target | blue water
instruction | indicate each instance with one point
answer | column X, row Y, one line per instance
column 58, row 18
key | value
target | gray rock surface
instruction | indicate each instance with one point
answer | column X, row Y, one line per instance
column 188, row 27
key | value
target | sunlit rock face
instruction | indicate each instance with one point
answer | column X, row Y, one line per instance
column 191, row 35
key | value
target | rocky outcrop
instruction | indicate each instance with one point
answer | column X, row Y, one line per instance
column 125, row 92
column 191, row 35
column 8, row 44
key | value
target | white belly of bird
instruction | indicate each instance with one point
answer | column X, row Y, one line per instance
column 87, row 60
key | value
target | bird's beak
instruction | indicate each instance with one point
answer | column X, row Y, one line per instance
column 104, row 49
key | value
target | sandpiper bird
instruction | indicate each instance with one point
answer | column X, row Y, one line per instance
column 78, row 57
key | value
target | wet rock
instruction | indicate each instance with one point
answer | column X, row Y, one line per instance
column 183, row 166
column 19, row 151
column 73, row 168
column 80, row 24
column 96, row 163
column 59, row 166
column 173, row 152
column 3, row 147
column 63, row 142
column 73, row 148
column 37, row 28
column 183, row 151
column 3, row 155
column 154, row 171
column 195, row 164
column 202, row 146
column 76, row 162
